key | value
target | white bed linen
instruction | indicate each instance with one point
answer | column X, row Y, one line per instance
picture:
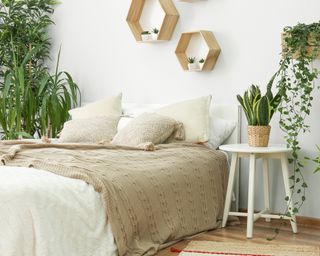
column 43, row 214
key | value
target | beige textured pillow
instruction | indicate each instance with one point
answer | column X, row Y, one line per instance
column 194, row 114
column 90, row 130
column 149, row 127
column 105, row 107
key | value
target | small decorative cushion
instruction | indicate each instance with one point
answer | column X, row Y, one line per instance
column 194, row 114
column 149, row 127
column 90, row 130
column 107, row 107
column 220, row 131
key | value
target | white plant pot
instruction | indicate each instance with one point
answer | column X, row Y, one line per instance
column 154, row 36
column 193, row 66
column 201, row 65
column 146, row 37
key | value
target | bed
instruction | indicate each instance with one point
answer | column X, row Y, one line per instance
column 42, row 213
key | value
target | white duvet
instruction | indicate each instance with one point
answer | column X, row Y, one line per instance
column 43, row 214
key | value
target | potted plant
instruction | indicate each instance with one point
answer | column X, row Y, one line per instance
column 192, row 64
column 201, row 62
column 155, row 33
column 146, row 35
column 259, row 110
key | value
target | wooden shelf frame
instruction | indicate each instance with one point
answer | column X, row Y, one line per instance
column 168, row 24
column 213, row 49
column 310, row 49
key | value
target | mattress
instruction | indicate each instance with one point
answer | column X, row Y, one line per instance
column 43, row 214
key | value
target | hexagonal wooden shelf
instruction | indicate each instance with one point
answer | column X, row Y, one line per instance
column 213, row 49
column 168, row 24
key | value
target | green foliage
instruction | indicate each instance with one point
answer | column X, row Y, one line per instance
column 26, row 86
column 24, row 23
column 59, row 93
column 201, row 61
column 191, row 60
column 297, row 79
column 17, row 101
column 259, row 109
column 155, row 31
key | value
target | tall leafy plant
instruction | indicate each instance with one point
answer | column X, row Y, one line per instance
column 58, row 94
column 25, row 22
column 32, row 100
column 297, row 77
column 18, row 102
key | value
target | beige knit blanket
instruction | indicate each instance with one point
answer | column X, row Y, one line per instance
column 151, row 198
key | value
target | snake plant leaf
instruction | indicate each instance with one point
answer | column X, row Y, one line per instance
column 240, row 99
column 262, row 110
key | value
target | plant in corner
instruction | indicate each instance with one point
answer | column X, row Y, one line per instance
column 155, row 33
column 259, row 110
column 24, row 76
column 192, row 64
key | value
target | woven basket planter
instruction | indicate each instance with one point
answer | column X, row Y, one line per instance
column 258, row 136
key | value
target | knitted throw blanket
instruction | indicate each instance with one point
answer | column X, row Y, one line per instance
column 151, row 198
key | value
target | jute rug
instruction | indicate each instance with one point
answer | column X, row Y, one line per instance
column 204, row 248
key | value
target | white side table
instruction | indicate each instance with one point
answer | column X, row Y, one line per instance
column 265, row 153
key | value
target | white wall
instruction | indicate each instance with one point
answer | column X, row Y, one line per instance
column 101, row 53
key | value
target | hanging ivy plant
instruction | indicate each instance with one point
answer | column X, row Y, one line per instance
column 301, row 45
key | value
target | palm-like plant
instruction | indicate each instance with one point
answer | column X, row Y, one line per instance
column 58, row 93
column 31, row 99
column 18, row 102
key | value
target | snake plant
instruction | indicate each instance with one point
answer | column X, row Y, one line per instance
column 258, row 108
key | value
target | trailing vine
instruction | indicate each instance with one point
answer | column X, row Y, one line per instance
column 297, row 77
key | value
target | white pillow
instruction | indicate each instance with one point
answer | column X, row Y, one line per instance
column 220, row 131
column 194, row 114
column 106, row 107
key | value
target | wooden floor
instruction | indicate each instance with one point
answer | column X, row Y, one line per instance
column 308, row 235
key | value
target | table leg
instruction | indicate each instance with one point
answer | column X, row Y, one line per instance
column 252, row 170
column 285, row 172
column 265, row 167
column 227, row 203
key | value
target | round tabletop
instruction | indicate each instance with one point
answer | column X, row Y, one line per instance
column 245, row 148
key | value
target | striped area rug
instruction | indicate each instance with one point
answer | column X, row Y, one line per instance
column 208, row 248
